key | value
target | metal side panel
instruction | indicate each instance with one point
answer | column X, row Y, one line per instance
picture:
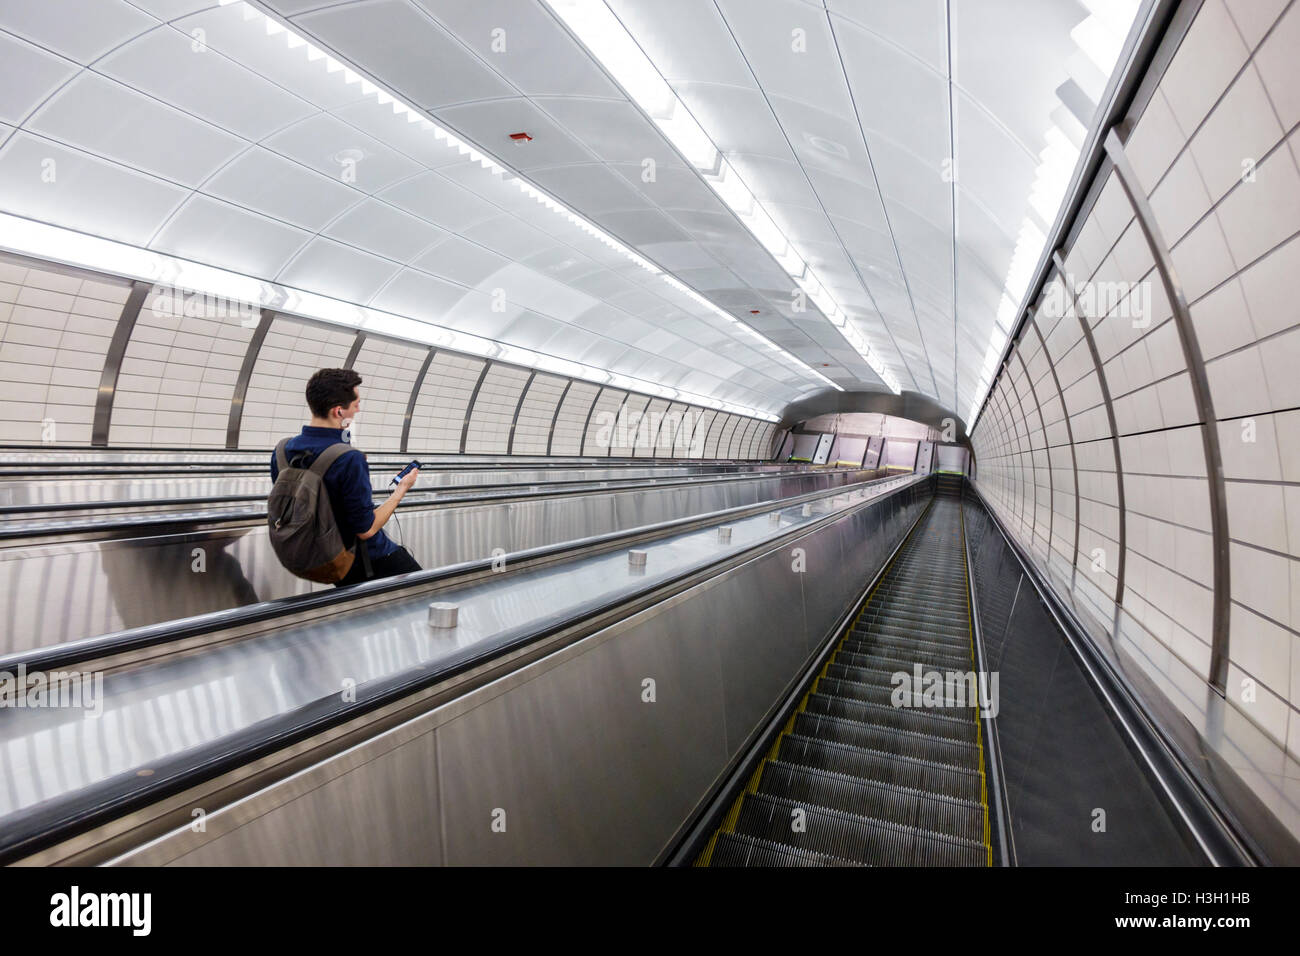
column 582, row 767
column 572, row 759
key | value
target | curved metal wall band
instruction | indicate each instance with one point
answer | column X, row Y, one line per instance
column 415, row 395
column 1145, row 215
column 359, row 341
column 582, row 445
column 1033, row 523
column 747, row 439
column 677, row 432
column 1042, row 430
column 1059, row 265
column 1074, row 458
column 555, row 416
column 654, row 439
column 236, row 417
column 469, row 406
column 627, row 399
column 113, row 363
column 510, row 442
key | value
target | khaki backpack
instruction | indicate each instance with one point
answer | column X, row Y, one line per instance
column 300, row 520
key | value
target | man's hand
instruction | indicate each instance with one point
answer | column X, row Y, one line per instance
column 408, row 480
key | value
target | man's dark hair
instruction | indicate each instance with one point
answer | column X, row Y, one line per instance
column 331, row 387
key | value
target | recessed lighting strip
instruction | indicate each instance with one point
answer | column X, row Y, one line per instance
column 604, row 35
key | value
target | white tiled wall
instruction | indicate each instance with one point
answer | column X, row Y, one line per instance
column 533, row 429
column 388, row 369
column 600, row 431
column 439, row 418
column 276, row 403
column 179, row 371
column 694, row 431
column 55, row 329
column 181, row 364
column 668, row 428
column 632, row 422
column 647, row 433
column 1216, row 152
column 572, row 419
column 494, row 410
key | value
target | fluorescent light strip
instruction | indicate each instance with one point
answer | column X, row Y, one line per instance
column 275, row 27
column 56, row 244
column 1099, row 38
column 609, row 41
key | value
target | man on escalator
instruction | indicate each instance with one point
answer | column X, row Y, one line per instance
column 334, row 400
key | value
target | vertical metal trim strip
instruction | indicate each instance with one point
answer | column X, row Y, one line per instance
column 235, row 420
column 113, row 363
column 1195, row 361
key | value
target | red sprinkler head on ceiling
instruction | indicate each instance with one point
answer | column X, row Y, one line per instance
column 521, row 138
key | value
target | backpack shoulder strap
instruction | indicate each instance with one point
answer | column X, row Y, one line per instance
column 330, row 455
column 281, row 458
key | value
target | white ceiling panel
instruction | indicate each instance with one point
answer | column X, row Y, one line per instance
column 463, row 262
column 171, row 9
column 780, row 179
column 420, row 60
column 381, row 229
column 28, row 75
column 916, row 26
column 915, row 113
column 82, row 30
column 591, row 188
column 214, row 88
column 993, row 167
column 508, row 238
column 207, row 230
column 421, row 296
column 335, row 149
column 531, row 50
column 104, row 117
column 86, row 194
column 225, row 30
column 332, row 268
column 443, row 203
column 274, row 186
column 672, row 188
column 980, row 28
column 615, row 131
column 685, row 39
column 491, row 124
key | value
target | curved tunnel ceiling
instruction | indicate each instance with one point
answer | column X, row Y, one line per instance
column 316, row 158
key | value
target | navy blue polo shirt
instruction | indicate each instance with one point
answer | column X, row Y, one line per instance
column 348, row 485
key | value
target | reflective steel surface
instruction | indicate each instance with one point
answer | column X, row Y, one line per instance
column 51, row 593
column 167, row 714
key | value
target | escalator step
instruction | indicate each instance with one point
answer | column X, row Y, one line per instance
column 956, row 782
column 886, row 740
column 737, row 849
column 877, row 801
column 898, row 659
column 852, row 837
column 861, row 641
column 953, row 654
column 954, row 724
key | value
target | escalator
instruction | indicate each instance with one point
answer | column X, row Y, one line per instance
column 855, row 779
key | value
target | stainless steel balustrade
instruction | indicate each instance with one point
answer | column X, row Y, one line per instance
column 593, row 733
column 65, row 591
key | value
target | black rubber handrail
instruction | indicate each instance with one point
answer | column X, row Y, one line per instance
column 45, row 824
